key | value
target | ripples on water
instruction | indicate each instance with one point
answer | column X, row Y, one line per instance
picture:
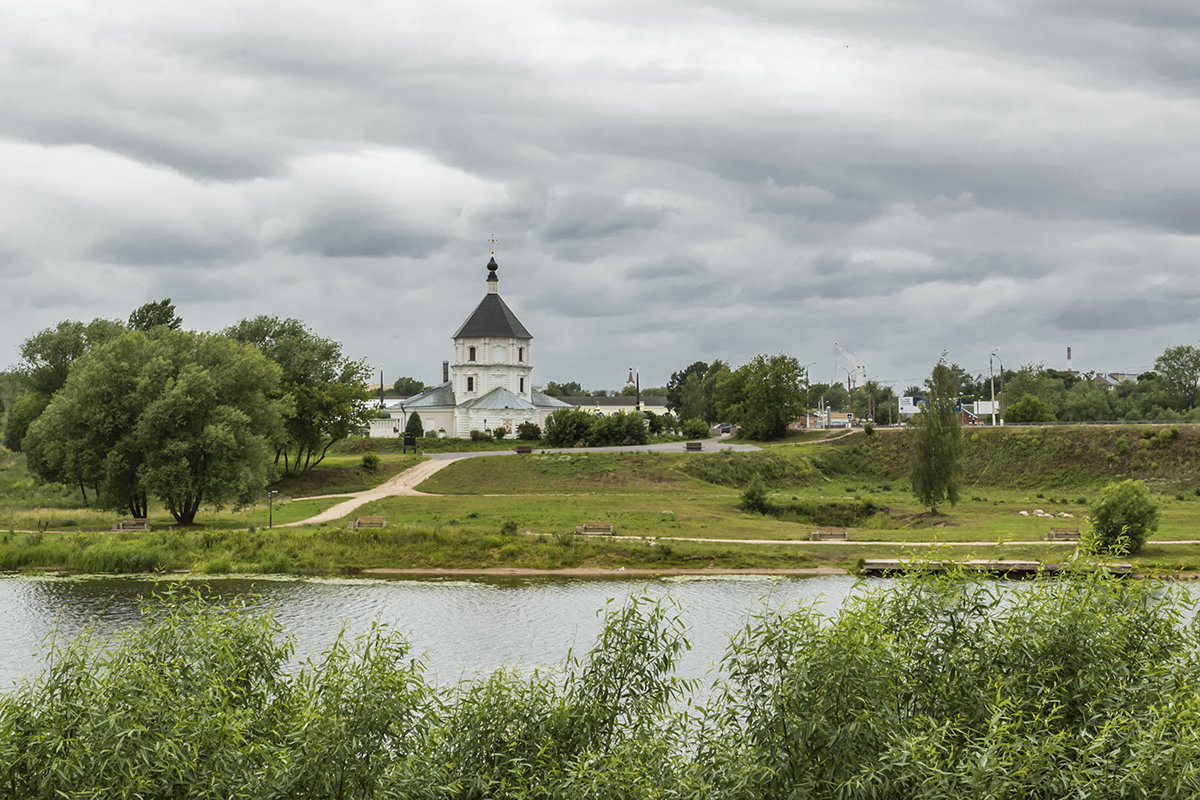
column 464, row 628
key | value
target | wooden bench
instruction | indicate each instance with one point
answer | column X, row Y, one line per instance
column 1062, row 534
column 827, row 534
column 693, row 447
column 596, row 527
column 524, row 449
column 136, row 524
column 370, row 522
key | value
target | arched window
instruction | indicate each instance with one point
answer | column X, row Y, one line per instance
column 471, row 353
column 520, row 354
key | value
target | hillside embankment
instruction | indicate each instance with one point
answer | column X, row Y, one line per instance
column 1165, row 456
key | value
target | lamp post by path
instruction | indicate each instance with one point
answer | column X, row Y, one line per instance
column 271, row 508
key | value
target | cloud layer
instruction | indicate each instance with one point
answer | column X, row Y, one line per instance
column 667, row 181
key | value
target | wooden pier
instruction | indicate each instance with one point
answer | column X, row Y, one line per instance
column 996, row 567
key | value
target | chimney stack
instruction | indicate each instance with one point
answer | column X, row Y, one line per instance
column 445, row 372
column 1069, row 360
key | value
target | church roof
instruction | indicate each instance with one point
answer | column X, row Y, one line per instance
column 542, row 400
column 499, row 399
column 492, row 318
column 433, row 397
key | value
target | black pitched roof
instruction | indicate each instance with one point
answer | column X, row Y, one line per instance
column 492, row 317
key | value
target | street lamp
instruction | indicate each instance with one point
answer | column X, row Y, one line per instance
column 636, row 374
column 271, row 508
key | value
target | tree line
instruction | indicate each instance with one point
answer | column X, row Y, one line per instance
column 142, row 409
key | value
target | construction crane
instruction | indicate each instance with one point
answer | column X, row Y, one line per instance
column 860, row 370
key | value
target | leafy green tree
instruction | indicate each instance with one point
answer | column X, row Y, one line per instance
column 407, row 387
column 21, row 414
column 176, row 415
column 763, row 397
column 529, row 431
column 677, row 381
column 568, row 427
column 1036, row 380
column 937, row 442
column 153, row 314
column 1030, row 408
column 1087, row 402
column 47, row 356
column 1123, row 518
column 1179, row 370
column 414, row 427
column 834, row 394
column 568, row 389
column 325, row 392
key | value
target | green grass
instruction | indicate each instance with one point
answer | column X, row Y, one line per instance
column 659, row 499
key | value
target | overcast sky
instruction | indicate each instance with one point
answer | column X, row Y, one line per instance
column 668, row 181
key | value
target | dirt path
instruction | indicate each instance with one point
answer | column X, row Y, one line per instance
column 401, row 484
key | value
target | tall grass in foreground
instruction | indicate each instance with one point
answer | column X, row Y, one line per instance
column 932, row 688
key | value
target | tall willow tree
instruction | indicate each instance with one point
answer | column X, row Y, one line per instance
column 181, row 416
column 325, row 390
column 937, row 442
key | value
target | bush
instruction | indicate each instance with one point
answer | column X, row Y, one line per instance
column 1123, row 518
column 754, row 498
column 499, row 432
column 481, row 436
column 370, row 462
column 568, row 427
column 694, row 428
column 529, row 430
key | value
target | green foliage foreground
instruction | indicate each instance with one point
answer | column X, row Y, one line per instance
column 929, row 688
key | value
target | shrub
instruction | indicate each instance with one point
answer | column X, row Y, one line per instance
column 481, row 436
column 869, row 428
column 414, row 427
column 370, row 462
column 754, row 498
column 500, row 432
column 529, row 430
column 1123, row 518
column 694, row 428
column 568, row 427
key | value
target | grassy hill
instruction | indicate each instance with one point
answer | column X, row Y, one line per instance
column 1059, row 458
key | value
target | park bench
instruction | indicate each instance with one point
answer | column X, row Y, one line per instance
column 370, row 522
column 524, row 449
column 693, row 447
column 136, row 524
column 1062, row 534
column 596, row 527
column 826, row 534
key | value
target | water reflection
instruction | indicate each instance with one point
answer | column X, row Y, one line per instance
column 464, row 628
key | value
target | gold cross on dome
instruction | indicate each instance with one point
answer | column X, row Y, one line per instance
column 493, row 240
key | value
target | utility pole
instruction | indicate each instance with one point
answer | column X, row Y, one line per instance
column 992, row 379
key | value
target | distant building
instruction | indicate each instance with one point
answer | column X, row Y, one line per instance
column 489, row 384
column 607, row 406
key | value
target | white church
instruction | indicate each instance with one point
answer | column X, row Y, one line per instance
column 489, row 384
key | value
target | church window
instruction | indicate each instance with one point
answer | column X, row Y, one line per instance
column 520, row 354
column 471, row 353
column 471, row 381
column 522, row 384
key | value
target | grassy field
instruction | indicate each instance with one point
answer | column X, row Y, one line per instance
column 510, row 511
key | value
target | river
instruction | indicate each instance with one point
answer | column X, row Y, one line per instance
column 464, row 628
